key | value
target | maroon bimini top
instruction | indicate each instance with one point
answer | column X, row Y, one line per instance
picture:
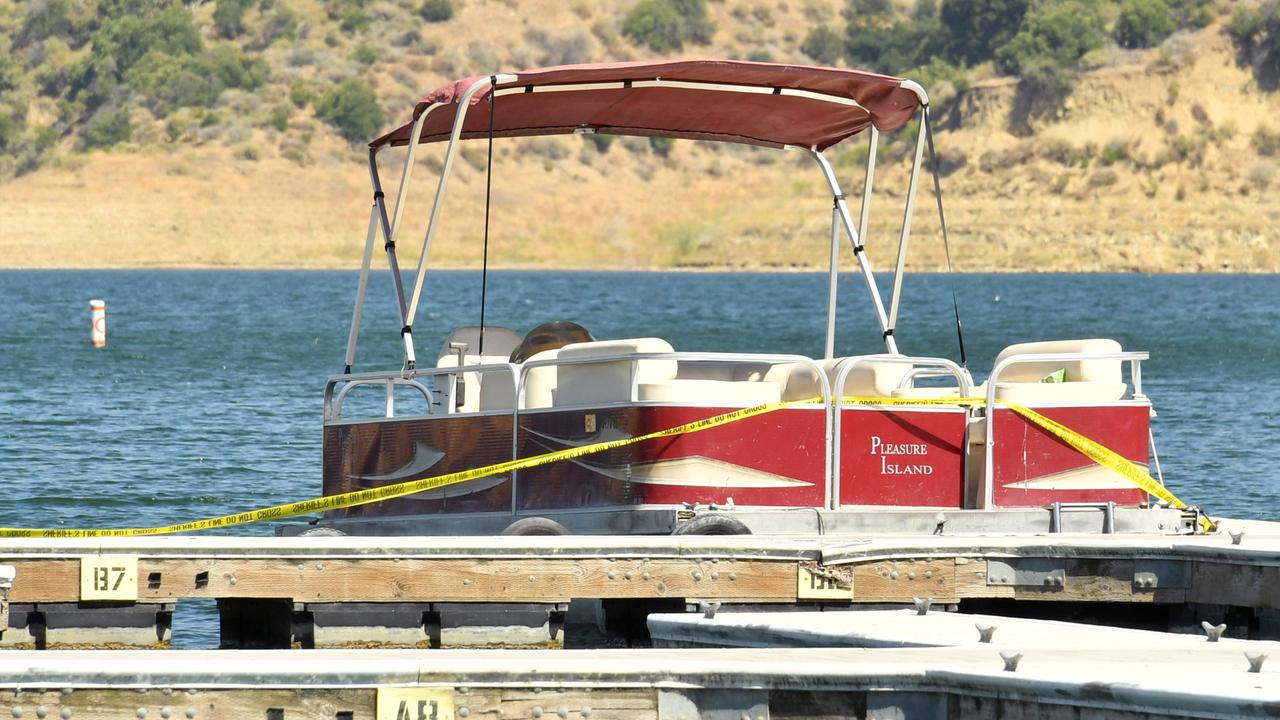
column 792, row 104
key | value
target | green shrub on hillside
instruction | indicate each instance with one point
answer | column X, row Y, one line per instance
column 1266, row 141
column 823, row 45
column 867, row 8
column 10, row 129
column 300, row 95
column 436, row 10
column 975, row 28
column 666, row 25
column 128, row 37
column 1055, row 34
column 661, row 146
column 50, row 18
column 171, row 82
column 283, row 23
column 365, row 54
column 10, row 73
column 194, row 80
column 228, row 17
column 937, row 72
column 235, row 69
column 1143, row 23
column 893, row 47
column 600, row 141
column 106, row 128
column 350, row 15
column 1256, row 34
column 279, row 119
column 1191, row 13
column 352, row 109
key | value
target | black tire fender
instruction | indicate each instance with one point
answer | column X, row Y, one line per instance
column 535, row 526
column 712, row 525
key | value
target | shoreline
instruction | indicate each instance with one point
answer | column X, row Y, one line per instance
column 721, row 269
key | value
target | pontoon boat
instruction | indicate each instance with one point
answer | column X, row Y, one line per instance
column 866, row 443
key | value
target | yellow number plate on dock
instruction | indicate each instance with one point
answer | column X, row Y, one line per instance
column 109, row 577
column 415, row 704
column 819, row 585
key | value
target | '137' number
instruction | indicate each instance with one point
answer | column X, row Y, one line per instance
column 102, row 578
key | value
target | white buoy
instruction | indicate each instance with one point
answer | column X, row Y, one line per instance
column 98, row 332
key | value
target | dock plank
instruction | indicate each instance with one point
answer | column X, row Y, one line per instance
column 902, row 580
column 445, row 580
column 206, row 704
column 44, row 580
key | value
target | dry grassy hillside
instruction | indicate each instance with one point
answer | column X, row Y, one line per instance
column 1152, row 164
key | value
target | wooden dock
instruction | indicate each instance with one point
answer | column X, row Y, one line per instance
column 277, row 592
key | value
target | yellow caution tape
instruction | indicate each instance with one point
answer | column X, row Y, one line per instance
column 1107, row 458
column 389, row 492
column 1095, row 451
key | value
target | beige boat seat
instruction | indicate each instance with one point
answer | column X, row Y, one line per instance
column 498, row 341
column 647, row 380
column 540, row 382
column 498, row 344
column 869, row 378
column 609, row 381
column 752, row 380
column 726, row 393
column 491, row 390
column 1083, row 380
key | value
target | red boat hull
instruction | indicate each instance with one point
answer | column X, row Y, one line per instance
column 902, row 457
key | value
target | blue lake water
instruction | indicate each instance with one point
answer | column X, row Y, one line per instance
column 207, row 398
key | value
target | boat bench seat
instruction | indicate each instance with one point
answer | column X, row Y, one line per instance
column 710, row 392
column 653, row 379
column 486, row 390
column 756, row 382
column 869, row 378
column 490, row 390
column 1083, row 380
column 609, row 381
column 799, row 381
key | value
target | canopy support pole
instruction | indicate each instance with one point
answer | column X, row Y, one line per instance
column 912, row 185
column 361, row 289
column 464, row 104
column 389, row 239
column 832, row 280
column 863, row 215
column 868, row 182
column 842, row 210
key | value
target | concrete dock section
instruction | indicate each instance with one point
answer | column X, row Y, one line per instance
column 911, row 629
column 1134, row 683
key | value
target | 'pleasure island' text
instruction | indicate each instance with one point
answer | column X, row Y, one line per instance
column 895, row 458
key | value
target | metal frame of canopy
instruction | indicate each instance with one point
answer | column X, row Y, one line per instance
column 508, row 84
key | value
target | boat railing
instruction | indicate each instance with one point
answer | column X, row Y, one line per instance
column 439, row 396
column 633, row 359
column 919, row 367
column 1133, row 358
